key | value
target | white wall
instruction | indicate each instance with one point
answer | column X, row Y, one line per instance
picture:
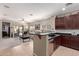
column 45, row 25
column 0, row 29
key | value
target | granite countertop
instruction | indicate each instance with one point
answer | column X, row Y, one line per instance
column 40, row 33
column 56, row 33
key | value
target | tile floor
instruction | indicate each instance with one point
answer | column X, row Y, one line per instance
column 15, row 47
column 64, row 51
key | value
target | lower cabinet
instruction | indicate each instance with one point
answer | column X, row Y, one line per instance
column 53, row 45
column 65, row 41
column 70, row 41
column 75, row 43
column 57, row 42
column 50, row 48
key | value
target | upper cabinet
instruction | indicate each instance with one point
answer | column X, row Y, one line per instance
column 67, row 22
column 59, row 23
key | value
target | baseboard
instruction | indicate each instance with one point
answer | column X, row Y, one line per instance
column 34, row 54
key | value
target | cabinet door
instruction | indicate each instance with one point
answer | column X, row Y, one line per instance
column 67, row 22
column 75, row 42
column 70, row 22
column 59, row 23
column 70, row 42
column 77, row 21
column 50, row 48
column 57, row 42
column 74, row 21
column 66, row 41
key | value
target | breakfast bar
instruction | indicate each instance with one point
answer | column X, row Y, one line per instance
column 43, row 44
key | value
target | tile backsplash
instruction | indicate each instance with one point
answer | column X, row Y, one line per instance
column 74, row 32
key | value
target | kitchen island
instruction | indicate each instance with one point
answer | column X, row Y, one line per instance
column 43, row 44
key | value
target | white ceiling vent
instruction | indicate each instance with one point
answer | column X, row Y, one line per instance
column 6, row 6
column 68, row 4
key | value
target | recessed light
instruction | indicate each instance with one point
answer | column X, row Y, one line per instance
column 63, row 9
column 6, row 6
column 31, row 14
column 5, row 14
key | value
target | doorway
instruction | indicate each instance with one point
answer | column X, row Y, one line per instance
column 5, row 29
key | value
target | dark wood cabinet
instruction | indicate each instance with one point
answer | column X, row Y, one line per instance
column 75, row 42
column 66, row 41
column 73, row 18
column 70, row 41
column 53, row 45
column 60, row 23
column 76, row 21
column 57, row 42
column 67, row 22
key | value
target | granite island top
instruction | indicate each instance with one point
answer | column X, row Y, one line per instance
column 40, row 33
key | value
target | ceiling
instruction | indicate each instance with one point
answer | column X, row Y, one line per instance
column 34, row 11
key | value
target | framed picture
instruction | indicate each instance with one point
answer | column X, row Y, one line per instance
column 37, row 26
column 48, row 26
